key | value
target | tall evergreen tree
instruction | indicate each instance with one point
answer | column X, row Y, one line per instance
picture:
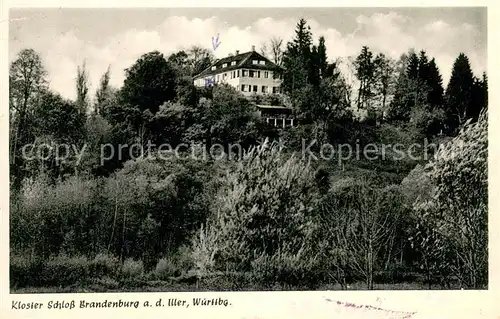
column 314, row 69
column 423, row 67
column 459, row 93
column 296, row 61
column 479, row 97
column 322, row 57
column 412, row 66
column 435, row 85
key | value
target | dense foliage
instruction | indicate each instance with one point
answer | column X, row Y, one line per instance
column 256, row 212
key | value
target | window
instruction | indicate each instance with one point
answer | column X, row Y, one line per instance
column 244, row 73
column 266, row 74
column 243, row 87
column 233, row 63
column 224, row 65
column 264, row 89
column 249, row 88
column 238, row 74
column 258, row 74
column 252, row 73
column 275, row 89
column 279, row 122
column 262, row 62
column 255, row 88
column 255, row 62
column 213, row 68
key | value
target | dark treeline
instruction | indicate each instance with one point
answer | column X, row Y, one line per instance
column 271, row 219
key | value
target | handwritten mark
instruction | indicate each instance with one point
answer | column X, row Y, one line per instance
column 404, row 314
column 209, row 81
column 216, row 42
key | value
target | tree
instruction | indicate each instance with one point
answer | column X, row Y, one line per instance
column 59, row 123
column 435, row 85
column 384, row 74
column 459, row 93
column 365, row 72
column 199, row 59
column 228, row 118
column 322, row 57
column 296, row 60
column 27, row 82
column 82, row 89
column 149, row 82
column 479, row 97
column 360, row 221
column 273, row 50
column 419, row 85
column 102, row 93
column 262, row 219
column 457, row 215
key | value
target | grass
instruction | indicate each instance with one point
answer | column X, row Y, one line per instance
column 171, row 286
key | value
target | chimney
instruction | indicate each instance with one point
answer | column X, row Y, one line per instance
column 253, row 48
column 237, row 52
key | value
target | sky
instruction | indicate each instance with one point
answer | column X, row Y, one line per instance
column 65, row 38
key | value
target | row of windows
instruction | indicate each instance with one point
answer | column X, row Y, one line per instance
column 224, row 65
column 280, row 122
column 244, row 74
column 255, row 88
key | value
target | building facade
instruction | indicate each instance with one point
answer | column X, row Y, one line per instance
column 249, row 73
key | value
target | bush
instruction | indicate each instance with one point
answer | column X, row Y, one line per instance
column 104, row 265
column 166, row 268
column 132, row 268
column 296, row 270
column 63, row 270
column 25, row 271
column 264, row 204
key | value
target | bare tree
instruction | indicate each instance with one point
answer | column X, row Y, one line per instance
column 199, row 58
column 273, row 50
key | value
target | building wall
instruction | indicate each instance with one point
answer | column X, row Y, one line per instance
column 237, row 82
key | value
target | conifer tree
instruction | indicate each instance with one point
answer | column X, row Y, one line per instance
column 413, row 64
column 435, row 85
column 322, row 57
column 459, row 93
column 296, row 60
column 479, row 97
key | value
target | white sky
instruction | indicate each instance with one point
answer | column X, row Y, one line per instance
column 117, row 37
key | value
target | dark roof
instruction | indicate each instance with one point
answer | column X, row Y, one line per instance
column 243, row 60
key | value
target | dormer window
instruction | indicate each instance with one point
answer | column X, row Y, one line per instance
column 255, row 62
column 262, row 62
column 224, row 65
column 214, row 67
column 233, row 63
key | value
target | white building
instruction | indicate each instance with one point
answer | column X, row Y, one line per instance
column 248, row 72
